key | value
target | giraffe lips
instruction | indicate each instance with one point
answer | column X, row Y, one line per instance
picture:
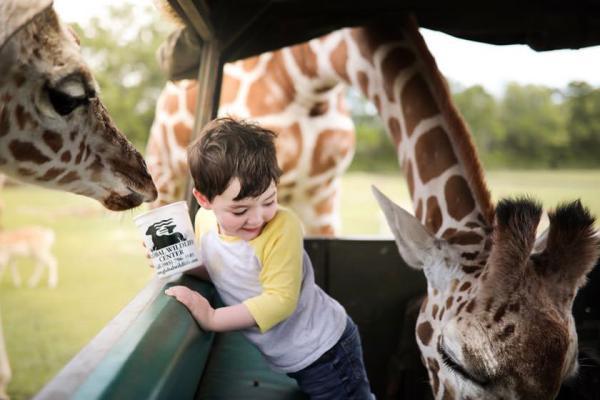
column 116, row 202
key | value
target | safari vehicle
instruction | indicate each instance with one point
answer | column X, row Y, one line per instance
column 154, row 349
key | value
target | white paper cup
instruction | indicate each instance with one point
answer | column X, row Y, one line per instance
column 169, row 237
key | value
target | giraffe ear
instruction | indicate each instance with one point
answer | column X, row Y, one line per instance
column 413, row 241
column 14, row 15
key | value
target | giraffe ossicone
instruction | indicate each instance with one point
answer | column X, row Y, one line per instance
column 506, row 331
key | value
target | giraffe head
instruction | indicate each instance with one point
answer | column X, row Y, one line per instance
column 54, row 131
column 504, row 331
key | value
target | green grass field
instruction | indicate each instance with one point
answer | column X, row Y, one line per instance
column 102, row 263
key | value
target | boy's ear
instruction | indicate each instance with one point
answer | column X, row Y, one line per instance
column 201, row 199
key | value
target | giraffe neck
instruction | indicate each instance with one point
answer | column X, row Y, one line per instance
column 394, row 69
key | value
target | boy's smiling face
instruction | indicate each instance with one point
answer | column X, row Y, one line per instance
column 243, row 218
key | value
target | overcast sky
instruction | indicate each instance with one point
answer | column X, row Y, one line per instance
column 462, row 61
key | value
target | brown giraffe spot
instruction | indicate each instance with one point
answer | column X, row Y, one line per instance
column 339, row 56
column 394, row 127
column 68, row 178
column 500, row 313
column 469, row 256
column 419, row 210
column 22, row 116
column 434, row 311
column 288, row 145
column 448, row 393
column 324, row 206
column 465, row 238
column 324, row 88
column 409, row 177
column 88, row 152
column 249, row 64
column 318, row 109
column 448, row 232
column 377, row 102
column 191, row 98
column 470, row 306
column 465, row 286
column 65, row 156
column 442, row 311
column 506, row 332
column 19, row 79
column 25, row 151
column 229, row 89
column 332, row 145
column 449, row 301
column 395, row 61
column 434, row 368
column 50, row 174
column 363, row 83
column 306, row 59
column 53, row 140
column 434, row 154
column 514, row 307
column 424, row 331
column 473, row 225
column 326, row 230
column 265, row 100
column 80, row 154
column 366, row 42
column 424, row 305
column 171, row 105
column 182, row 134
column 433, row 218
column 417, row 103
column 460, row 307
column 458, row 197
column 25, row 172
column 73, row 135
column 488, row 304
column 4, row 122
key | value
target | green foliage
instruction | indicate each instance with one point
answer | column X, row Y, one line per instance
column 121, row 51
column 582, row 104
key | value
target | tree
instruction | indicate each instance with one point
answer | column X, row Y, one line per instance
column 535, row 126
column 481, row 112
column 120, row 48
column 582, row 104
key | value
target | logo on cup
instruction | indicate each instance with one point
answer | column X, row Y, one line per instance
column 162, row 234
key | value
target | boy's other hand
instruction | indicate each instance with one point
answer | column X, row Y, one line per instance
column 199, row 307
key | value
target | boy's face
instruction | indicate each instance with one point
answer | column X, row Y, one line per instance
column 243, row 218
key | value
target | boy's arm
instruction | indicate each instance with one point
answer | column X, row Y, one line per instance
column 281, row 274
column 223, row 319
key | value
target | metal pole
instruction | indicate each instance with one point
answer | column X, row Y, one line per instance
column 209, row 90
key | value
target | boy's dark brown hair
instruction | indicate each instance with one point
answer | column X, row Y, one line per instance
column 228, row 149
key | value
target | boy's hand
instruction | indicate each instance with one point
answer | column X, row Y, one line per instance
column 199, row 307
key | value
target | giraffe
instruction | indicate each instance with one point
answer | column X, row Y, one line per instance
column 54, row 131
column 487, row 329
column 316, row 136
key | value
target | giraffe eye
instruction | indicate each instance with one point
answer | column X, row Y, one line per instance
column 63, row 103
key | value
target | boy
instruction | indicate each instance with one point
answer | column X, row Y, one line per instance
column 252, row 251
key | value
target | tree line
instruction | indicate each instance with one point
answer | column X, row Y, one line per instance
column 528, row 126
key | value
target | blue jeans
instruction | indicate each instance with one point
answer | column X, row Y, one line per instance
column 339, row 374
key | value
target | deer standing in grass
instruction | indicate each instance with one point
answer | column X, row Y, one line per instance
column 54, row 130
column 34, row 242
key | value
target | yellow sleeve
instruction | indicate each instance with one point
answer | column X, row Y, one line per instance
column 203, row 222
column 279, row 249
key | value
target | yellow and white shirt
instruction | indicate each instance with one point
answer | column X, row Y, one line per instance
column 273, row 276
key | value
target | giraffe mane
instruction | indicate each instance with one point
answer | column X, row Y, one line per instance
column 459, row 134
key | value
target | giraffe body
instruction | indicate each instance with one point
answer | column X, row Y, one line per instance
column 54, row 131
